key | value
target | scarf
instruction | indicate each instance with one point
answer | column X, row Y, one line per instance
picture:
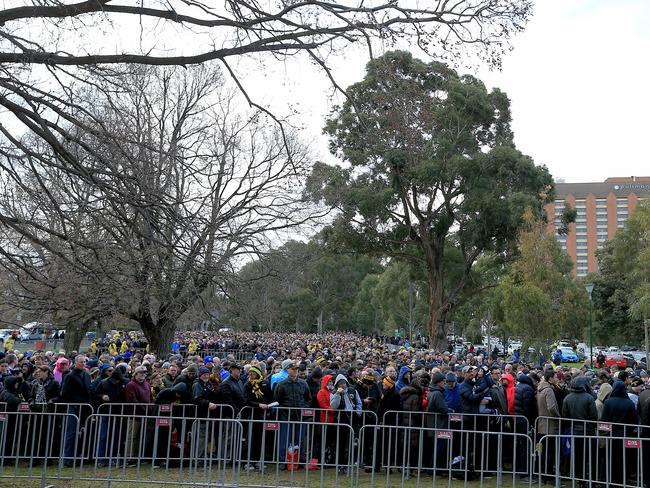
column 39, row 397
column 256, row 388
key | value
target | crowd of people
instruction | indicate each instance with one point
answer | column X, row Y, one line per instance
column 342, row 377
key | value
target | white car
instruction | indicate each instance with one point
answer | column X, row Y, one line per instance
column 4, row 333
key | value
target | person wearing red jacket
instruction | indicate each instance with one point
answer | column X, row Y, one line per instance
column 137, row 391
column 508, row 382
column 328, row 439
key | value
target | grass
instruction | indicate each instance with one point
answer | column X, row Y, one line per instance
column 21, row 478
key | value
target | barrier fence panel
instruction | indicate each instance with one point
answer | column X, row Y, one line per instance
column 162, row 449
column 403, row 455
column 295, row 452
column 314, row 415
column 460, row 421
column 38, row 445
column 593, row 460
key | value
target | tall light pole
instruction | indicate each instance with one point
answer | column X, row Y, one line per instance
column 590, row 288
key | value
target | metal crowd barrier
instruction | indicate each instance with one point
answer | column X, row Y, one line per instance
column 459, row 421
column 311, row 415
column 168, row 444
column 399, row 455
column 38, row 445
column 593, row 460
column 297, row 453
column 162, row 450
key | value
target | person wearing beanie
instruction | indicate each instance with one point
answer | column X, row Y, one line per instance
column 282, row 375
column 389, row 400
column 437, row 406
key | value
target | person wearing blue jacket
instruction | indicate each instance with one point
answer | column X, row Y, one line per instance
column 404, row 378
column 452, row 393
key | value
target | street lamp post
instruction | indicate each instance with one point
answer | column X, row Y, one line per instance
column 590, row 288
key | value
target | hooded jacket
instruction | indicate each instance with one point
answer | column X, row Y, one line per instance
column 603, row 394
column 525, row 401
column 348, row 400
column 167, row 396
column 510, row 392
column 323, row 397
column 618, row 408
column 11, row 394
column 401, row 382
column 580, row 404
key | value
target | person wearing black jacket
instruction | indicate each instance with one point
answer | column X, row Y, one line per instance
column 205, row 399
column 110, row 390
column 580, row 404
column 258, row 394
column 525, row 406
column 619, row 409
column 12, row 396
column 370, row 395
column 231, row 391
column 313, row 381
column 45, row 390
column 75, row 388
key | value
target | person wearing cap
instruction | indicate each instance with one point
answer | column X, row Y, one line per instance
column 231, row 391
column 293, row 393
column 282, row 374
column 636, row 386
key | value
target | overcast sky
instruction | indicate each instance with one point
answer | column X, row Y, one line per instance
column 578, row 79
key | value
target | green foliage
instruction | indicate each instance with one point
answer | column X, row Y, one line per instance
column 431, row 172
column 539, row 300
column 622, row 288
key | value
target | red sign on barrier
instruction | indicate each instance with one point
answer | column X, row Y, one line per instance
column 271, row 426
column 165, row 408
column 443, row 434
column 604, row 427
column 23, row 407
column 632, row 443
column 455, row 418
column 3, row 417
column 163, row 422
column 307, row 413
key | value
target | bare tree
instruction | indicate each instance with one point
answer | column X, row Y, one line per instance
column 159, row 187
column 48, row 31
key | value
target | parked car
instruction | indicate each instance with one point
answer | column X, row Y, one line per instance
column 568, row 355
column 35, row 331
column 5, row 333
column 615, row 359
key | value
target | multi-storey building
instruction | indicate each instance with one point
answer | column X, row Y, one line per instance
column 601, row 209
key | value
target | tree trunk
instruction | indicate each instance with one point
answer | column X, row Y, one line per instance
column 160, row 335
column 436, row 325
column 74, row 334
